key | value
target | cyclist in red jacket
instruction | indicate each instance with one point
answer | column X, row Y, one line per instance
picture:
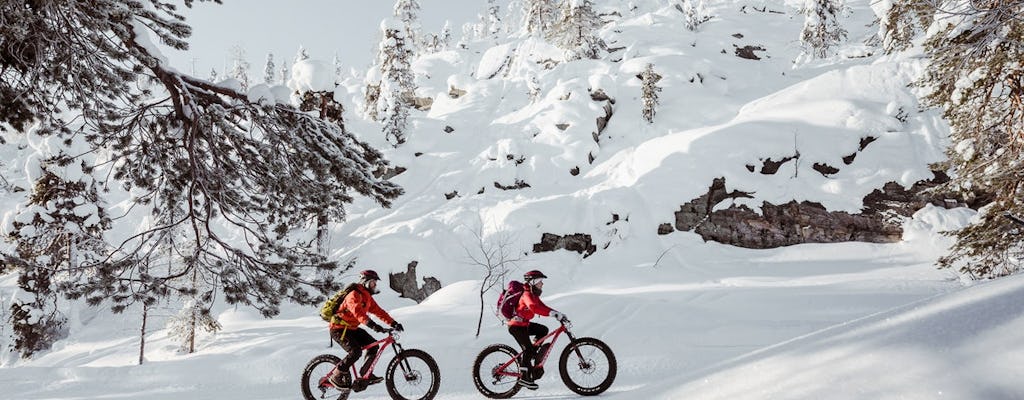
column 521, row 328
column 353, row 313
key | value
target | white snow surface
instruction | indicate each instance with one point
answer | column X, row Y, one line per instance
column 687, row 319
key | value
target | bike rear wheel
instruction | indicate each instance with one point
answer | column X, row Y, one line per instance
column 587, row 366
column 489, row 382
column 413, row 375
column 314, row 378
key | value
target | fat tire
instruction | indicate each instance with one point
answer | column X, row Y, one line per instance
column 477, row 378
column 308, row 371
column 435, row 374
column 563, row 367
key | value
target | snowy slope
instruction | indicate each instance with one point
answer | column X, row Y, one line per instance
column 687, row 319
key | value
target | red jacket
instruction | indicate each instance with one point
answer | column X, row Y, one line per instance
column 353, row 311
column 529, row 305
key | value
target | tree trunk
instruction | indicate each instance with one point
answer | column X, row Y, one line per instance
column 142, row 333
column 192, row 319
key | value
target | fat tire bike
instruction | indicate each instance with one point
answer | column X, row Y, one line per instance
column 411, row 375
column 586, row 366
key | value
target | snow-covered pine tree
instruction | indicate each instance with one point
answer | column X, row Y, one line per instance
column 822, row 30
column 905, row 20
column 493, row 19
column 408, row 11
column 213, row 75
column 696, row 13
column 649, row 92
column 239, row 67
column 397, row 85
column 576, row 30
column 193, row 143
column 57, row 236
column 538, row 17
column 301, row 55
column 283, row 75
column 269, row 69
column 975, row 75
column 533, row 85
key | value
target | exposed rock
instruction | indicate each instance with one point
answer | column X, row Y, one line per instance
column 578, row 242
column 519, row 184
column 825, row 169
column 455, row 92
column 803, row 222
column 405, row 284
column 748, row 52
column 448, row 129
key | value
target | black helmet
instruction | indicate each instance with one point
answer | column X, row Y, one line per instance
column 533, row 275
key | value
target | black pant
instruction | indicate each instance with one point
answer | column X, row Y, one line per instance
column 522, row 335
column 353, row 343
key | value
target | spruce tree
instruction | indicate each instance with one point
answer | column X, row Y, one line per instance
column 538, row 17
column 269, row 69
column 976, row 77
column 576, row 30
column 649, row 92
column 696, row 14
column 57, row 234
column 255, row 169
column 822, row 30
column 239, row 67
column 396, row 90
column 408, row 11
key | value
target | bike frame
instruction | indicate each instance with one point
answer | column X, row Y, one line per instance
column 543, row 357
column 381, row 345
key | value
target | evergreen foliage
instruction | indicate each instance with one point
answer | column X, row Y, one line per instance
column 203, row 154
column 649, row 92
column 822, row 30
column 696, row 14
column 538, row 17
column 392, row 95
column 576, row 30
column 269, row 69
column 976, row 76
column 408, row 11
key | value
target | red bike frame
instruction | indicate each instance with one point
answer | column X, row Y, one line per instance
column 502, row 370
column 381, row 344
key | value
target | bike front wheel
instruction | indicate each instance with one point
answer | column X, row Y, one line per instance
column 314, row 378
column 413, row 375
column 587, row 366
column 488, row 376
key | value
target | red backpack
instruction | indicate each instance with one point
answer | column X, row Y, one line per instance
column 508, row 301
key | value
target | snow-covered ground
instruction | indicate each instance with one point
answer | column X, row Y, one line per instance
column 687, row 319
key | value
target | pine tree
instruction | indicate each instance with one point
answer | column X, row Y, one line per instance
column 396, row 90
column 904, row 21
column 301, row 55
column 56, row 236
column 269, row 69
column 538, row 17
column 576, row 30
column 975, row 75
column 239, row 67
column 493, row 19
column 408, row 11
column 284, row 77
column 822, row 30
column 213, row 75
column 696, row 14
column 649, row 92
column 237, row 166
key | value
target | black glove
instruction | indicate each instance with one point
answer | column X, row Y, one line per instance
column 375, row 326
column 397, row 326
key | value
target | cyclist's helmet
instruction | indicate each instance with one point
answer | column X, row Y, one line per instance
column 535, row 274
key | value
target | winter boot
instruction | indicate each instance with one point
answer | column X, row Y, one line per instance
column 526, row 379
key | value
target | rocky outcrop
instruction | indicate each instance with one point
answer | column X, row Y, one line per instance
column 405, row 284
column 578, row 242
column 802, row 222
